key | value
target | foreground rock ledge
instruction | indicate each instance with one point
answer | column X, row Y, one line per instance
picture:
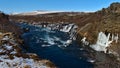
column 11, row 55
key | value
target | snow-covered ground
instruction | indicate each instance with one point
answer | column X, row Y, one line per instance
column 19, row 62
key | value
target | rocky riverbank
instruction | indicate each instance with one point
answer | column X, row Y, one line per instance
column 12, row 56
column 11, row 53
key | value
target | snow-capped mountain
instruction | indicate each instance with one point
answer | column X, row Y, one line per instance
column 36, row 12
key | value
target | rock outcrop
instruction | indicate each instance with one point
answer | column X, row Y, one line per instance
column 114, row 8
column 7, row 26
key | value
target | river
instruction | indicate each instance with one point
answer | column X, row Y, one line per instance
column 51, row 45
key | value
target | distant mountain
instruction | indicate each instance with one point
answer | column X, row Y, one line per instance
column 36, row 12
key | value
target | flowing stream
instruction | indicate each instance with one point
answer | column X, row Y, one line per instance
column 51, row 45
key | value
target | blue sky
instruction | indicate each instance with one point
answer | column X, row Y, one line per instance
column 9, row 6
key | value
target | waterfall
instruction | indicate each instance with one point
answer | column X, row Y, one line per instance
column 73, row 32
column 103, row 41
column 67, row 28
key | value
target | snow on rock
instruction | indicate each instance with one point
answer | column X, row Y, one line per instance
column 8, row 47
column 19, row 62
column 103, row 42
column 11, row 56
column 5, row 38
column 84, row 41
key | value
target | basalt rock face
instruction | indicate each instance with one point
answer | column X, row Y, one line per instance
column 3, row 17
column 114, row 8
column 7, row 26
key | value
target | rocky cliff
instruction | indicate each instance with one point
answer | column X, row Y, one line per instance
column 7, row 26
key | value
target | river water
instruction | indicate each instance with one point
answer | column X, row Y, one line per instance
column 51, row 45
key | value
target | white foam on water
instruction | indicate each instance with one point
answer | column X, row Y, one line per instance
column 56, row 38
column 81, row 49
column 91, row 60
column 68, row 42
column 46, row 45
column 49, row 40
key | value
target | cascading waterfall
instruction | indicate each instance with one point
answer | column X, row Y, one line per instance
column 103, row 42
column 65, row 28
column 69, row 28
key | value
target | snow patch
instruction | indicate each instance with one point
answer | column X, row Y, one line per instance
column 6, row 38
column 21, row 63
column 8, row 47
column 84, row 41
